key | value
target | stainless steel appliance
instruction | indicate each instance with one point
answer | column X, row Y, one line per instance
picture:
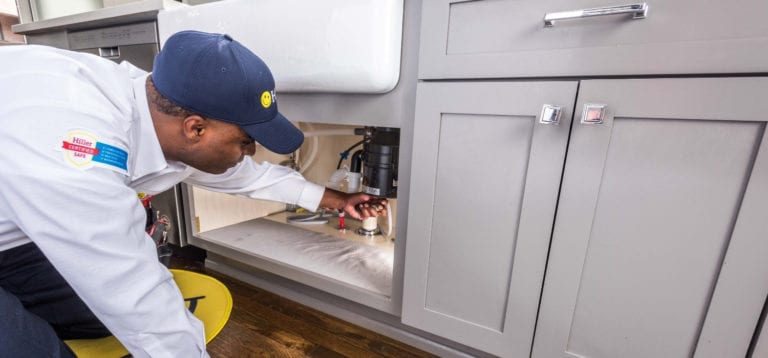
column 138, row 44
column 135, row 43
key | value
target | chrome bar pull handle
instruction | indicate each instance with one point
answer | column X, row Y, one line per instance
column 638, row 11
column 550, row 114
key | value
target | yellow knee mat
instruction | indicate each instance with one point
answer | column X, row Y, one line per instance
column 207, row 298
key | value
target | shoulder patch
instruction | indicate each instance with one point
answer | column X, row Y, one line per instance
column 83, row 150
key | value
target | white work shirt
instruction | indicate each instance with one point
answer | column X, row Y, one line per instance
column 78, row 144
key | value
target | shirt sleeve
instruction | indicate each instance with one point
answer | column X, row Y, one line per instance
column 90, row 225
column 262, row 181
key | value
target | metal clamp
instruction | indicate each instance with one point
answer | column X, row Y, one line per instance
column 638, row 11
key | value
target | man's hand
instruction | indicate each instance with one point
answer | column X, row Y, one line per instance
column 356, row 205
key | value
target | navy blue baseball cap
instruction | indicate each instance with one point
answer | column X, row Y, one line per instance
column 217, row 77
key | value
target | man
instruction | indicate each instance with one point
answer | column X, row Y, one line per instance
column 81, row 137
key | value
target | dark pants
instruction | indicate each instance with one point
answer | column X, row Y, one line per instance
column 38, row 308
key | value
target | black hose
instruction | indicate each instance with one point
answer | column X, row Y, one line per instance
column 346, row 152
column 356, row 163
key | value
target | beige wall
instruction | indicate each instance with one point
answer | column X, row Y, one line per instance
column 215, row 210
column 328, row 149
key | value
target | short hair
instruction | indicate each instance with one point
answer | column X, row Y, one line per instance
column 164, row 104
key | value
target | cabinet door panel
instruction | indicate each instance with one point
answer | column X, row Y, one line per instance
column 470, row 212
column 653, row 200
column 761, row 342
column 484, row 184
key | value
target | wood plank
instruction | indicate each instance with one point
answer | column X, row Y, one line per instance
column 263, row 324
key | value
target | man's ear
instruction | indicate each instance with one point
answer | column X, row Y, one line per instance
column 194, row 127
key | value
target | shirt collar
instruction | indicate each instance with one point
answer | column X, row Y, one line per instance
column 149, row 156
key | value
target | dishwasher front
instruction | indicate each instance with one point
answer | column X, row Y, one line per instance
column 138, row 44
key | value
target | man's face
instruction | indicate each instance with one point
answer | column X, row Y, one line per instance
column 221, row 147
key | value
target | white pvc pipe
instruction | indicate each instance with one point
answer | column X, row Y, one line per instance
column 315, row 142
column 312, row 155
column 388, row 234
column 323, row 132
column 370, row 223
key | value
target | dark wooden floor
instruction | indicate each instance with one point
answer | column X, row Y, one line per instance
column 263, row 324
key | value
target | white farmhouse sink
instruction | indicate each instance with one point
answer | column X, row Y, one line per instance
column 343, row 46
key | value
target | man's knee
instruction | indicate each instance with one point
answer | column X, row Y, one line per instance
column 25, row 334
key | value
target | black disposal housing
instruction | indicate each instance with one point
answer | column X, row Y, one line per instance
column 380, row 158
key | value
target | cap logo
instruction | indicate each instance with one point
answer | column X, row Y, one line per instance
column 266, row 99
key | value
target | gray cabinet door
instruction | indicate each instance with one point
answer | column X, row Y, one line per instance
column 761, row 343
column 661, row 237
column 484, row 182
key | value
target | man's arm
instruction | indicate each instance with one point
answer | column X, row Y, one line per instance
column 278, row 183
